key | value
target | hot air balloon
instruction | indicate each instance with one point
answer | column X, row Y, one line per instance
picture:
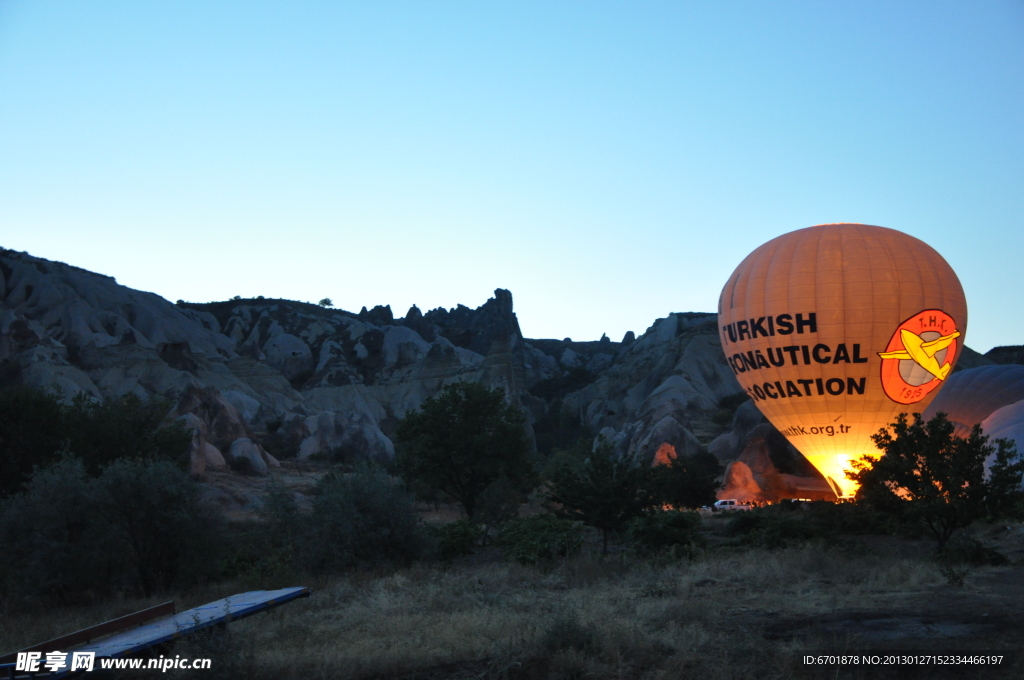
column 971, row 396
column 835, row 329
column 1005, row 423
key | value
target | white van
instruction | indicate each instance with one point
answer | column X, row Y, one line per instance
column 731, row 504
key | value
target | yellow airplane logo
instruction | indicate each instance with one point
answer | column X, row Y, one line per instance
column 923, row 353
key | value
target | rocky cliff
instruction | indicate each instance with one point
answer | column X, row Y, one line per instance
column 259, row 380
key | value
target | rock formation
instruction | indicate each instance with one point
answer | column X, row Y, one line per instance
column 1011, row 354
column 256, row 380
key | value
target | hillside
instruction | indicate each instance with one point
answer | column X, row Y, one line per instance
column 266, row 379
column 347, row 377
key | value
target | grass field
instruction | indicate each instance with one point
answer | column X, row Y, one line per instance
column 733, row 612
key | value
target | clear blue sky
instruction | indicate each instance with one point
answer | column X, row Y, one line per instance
column 608, row 163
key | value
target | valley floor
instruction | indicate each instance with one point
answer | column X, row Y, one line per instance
column 733, row 612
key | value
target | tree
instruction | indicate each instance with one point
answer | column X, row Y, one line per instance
column 33, row 431
column 363, row 518
column 462, row 441
column 602, row 491
column 930, row 476
column 124, row 427
column 687, row 481
column 326, row 302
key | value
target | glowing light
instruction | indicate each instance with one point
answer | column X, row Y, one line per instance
column 665, row 454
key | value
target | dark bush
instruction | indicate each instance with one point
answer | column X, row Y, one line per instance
column 538, row 538
column 125, row 427
column 559, row 428
column 831, row 519
column 786, row 523
column 35, row 427
column 427, row 494
column 282, row 440
column 770, row 528
column 137, row 528
column 970, row 551
column 665, row 530
column 499, row 503
column 457, row 539
column 567, row 632
column 362, row 519
column 54, row 543
column 962, row 553
column 232, row 654
column 264, row 554
column 154, row 510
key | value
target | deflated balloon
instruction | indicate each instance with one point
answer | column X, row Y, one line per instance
column 971, row 396
column 835, row 329
column 1006, row 423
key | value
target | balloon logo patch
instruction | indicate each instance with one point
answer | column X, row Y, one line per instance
column 919, row 356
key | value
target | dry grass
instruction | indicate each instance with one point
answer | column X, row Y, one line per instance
column 722, row 616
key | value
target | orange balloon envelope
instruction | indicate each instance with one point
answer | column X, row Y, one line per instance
column 834, row 330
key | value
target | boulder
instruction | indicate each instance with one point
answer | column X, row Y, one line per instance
column 665, row 454
column 289, row 354
column 725, row 447
column 739, row 484
column 194, row 424
column 330, row 351
column 202, row 454
column 666, row 432
column 246, row 406
column 403, row 346
column 69, row 381
column 224, row 424
column 196, row 462
column 477, row 329
column 756, row 475
column 245, row 453
column 746, row 418
column 352, row 434
column 310, row 446
column 213, row 457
